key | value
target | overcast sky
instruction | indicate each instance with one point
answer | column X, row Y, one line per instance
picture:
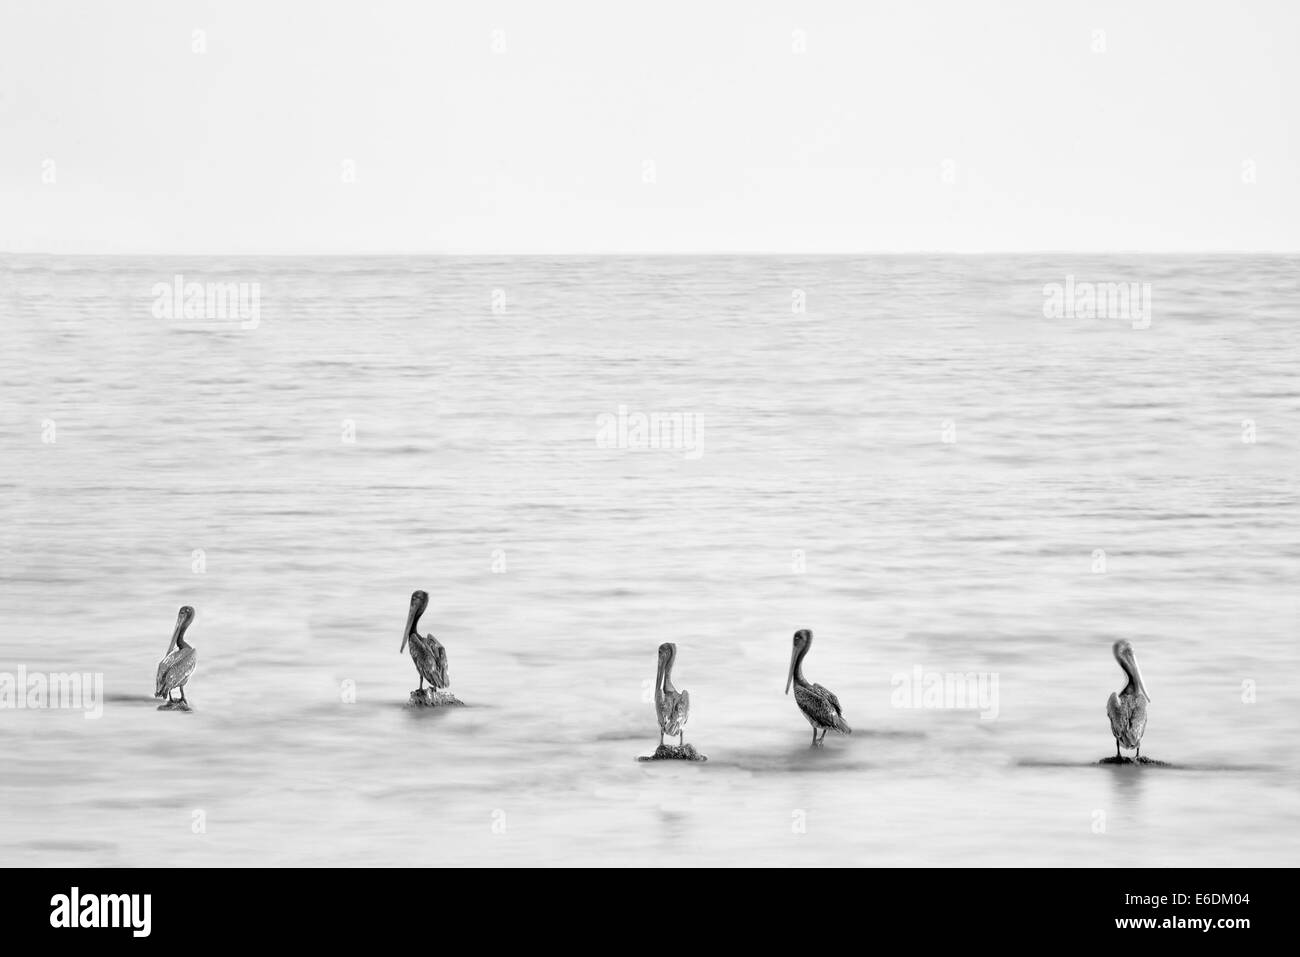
column 667, row 126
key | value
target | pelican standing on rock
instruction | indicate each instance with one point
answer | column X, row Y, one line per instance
column 672, row 706
column 819, row 705
column 1127, row 709
column 178, row 664
column 428, row 654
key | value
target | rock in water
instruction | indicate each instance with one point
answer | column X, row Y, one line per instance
column 176, row 705
column 429, row 698
column 1152, row 761
column 674, row 752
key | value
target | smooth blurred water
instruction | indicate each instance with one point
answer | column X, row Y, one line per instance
column 822, row 431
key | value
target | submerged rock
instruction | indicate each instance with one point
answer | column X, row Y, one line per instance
column 674, row 752
column 176, row 705
column 429, row 698
column 1121, row 760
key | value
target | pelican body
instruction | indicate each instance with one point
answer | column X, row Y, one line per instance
column 1127, row 709
column 819, row 705
column 179, row 662
column 427, row 652
column 671, row 705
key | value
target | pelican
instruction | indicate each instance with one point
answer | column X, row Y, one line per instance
column 178, row 664
column 672, row 705
column 1127, row 709
column 819, row 706
column 428, row 654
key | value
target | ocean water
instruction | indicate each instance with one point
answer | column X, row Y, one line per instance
column 918, row 465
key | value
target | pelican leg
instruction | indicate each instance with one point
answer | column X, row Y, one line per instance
column 681, row 738
column 1137, row 755
column 661, row 739
column 183, row 701
column 1117, row 747
column 814, row 741
column 421, row 684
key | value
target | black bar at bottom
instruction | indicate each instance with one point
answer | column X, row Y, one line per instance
column 434, row 907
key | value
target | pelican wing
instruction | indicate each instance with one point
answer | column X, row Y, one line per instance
column 676, row 709
column 1128, row 718
column 665, row 707
column 161, row 679
column 821, row 708
column 175, row 670
column 830, row 696
column 430, row 659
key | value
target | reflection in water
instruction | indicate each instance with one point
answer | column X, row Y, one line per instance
column 1127, row 782
column 673, row 827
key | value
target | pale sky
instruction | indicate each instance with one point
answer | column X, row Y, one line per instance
column 903, row 126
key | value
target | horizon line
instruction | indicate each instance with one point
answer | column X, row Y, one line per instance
column 734, row 253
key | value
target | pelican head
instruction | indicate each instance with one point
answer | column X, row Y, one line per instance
column 667, row 655
column 419, row 601
column 802, row 641
column 183, row 619
column 1124, row 655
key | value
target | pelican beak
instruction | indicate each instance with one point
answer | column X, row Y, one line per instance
column 789, row 678
column 410, row 623
column 176, row 632
column 1137, row 675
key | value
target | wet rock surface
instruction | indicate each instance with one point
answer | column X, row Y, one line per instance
column 176, row 705
column 1121, row 760
column 674, row 752
column 429, row 698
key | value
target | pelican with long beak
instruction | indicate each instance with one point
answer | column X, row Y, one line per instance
column 178, row 664
column 1127, row 709
column 671, row 705
column 427, row 652
column 819, row 705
